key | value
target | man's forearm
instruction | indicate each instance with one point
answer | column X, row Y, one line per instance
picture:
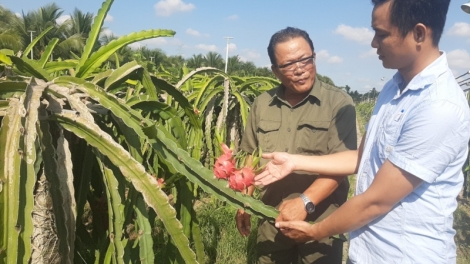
column 338, row 164
column 322, row 187
column 352, row 215
column 391, row 184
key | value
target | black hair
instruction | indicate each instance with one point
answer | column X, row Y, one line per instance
column 405, row 14
column 284, row 35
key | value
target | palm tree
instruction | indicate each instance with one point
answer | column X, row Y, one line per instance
column 214, row 59
column 9, row 39
column 247, row 68
column 233, row 64
column 175, row 61
column 196, row 61
column 38, row 21
column 75, row 32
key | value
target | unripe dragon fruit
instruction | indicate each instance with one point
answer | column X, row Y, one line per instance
column 224, row 166
column 241, row 179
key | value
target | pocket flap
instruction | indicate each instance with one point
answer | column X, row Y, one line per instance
column 269, row 125
column 322, row 125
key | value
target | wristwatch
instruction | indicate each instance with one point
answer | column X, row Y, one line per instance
column 309, row 206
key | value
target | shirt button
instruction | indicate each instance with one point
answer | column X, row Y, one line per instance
column 285, row 150
column 388, row 149
column 292, row 109
column 288, row 130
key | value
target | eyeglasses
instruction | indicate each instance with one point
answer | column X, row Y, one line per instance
column 292, row 66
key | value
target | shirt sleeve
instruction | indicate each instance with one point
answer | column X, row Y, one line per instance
column 342, row 131
column 432, row 137
column 249, row 139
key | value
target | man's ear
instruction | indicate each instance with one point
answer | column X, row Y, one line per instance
column 421, row 33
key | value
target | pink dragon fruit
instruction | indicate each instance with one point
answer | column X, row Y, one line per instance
column 241, row 179
column 224, row 166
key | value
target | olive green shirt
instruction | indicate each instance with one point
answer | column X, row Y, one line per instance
column 322, row 123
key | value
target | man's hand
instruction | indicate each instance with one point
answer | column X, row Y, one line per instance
column 243, row 222
column 299, row 231
column 291, row 210
column 280, row 166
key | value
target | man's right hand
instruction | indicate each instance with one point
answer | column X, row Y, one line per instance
column 243, row 222
column 279, row 166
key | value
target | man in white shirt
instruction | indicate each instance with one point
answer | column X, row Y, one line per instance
column 409, row 162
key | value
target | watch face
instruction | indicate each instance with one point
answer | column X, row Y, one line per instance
column 310, row 207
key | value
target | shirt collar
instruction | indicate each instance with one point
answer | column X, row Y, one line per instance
column 314, row 92
column 425, row 77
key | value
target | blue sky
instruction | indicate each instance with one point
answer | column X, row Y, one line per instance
column 340, row 31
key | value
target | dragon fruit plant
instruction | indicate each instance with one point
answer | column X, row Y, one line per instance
column 233, row 168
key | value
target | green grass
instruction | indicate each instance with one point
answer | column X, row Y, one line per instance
column 222, row 242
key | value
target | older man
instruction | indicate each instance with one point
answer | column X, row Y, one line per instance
column 301, row 116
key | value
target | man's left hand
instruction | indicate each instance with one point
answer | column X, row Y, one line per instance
column 291, row 210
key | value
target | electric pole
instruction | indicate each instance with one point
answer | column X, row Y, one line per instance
column 226, row 54
column 31, row 37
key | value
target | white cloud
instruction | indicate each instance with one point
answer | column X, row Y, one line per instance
column 62, row 19
column 207, row 47
column 370, row 53
column 250, row 55
column 324, row 55
column 157, row 42
column 335, row 60
column 18, row 15
column 193, row 32
column 106, row 32
column 232, row 17
column 232, row 47
column 168, row 7
column 459, row 59
column 360, row 35
column 109, row 18
column 460, row 29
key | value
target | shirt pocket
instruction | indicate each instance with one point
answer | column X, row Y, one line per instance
column 268, row 134
column 389, row 137
column 312, row 137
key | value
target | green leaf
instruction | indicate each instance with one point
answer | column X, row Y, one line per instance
column 55, row 66
column 47, row 53
column 134, row 172
column 119, row 74
column 163, row 110
column 9, row 89
column 86, row 67
column 116, row 221
column 10, row 160
column 27, row 66
column 94, row 34
column 147, row 82
column 5, row 59
column 35, row 40
column 28, row 173
column 101, row 76
column 145, row 233
column 244, row 107
column 180, row 98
